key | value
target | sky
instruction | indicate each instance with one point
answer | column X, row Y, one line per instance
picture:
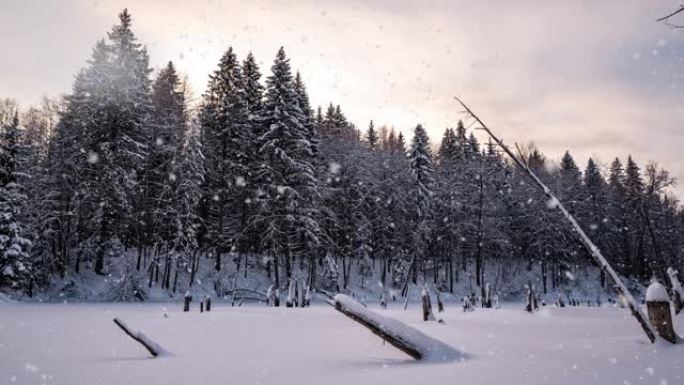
column 600, row 79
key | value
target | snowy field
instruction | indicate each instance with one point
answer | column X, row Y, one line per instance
column 73, row 344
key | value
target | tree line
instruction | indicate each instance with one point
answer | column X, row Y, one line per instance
column 125, row 169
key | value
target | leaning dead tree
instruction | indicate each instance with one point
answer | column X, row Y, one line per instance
column 591, row 247
column 401, row 336
column 151, row 346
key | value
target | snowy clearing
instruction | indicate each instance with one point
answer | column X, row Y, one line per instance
column 76, row 344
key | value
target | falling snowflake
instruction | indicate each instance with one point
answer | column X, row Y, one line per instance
column 93, row 157
column 552, row 203
column 334, row 167
column 240, row 181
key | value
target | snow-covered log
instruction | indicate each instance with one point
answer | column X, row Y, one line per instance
column 403, row 337
column 591, row 247
column 658, row 305
column 677, row 296
column 151, row 346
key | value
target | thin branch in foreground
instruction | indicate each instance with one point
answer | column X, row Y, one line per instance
column 666, row 19
column 151, row 346
column 591, row 247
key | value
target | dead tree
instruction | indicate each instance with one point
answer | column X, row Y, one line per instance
column 427, row 304
column 440, row 304
column 186, row 301
column 208, row 301
column 529, row 306
column 591, row 247
column 151, row 346
column 658, row 305
column 401, row 336
column 487, row 296
column 676, row 290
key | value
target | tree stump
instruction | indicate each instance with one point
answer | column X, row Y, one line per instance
column 208, row 307
column 186, row 302
column 201, row 306
column 658, row 305
column 440, row 304
column 427, row 305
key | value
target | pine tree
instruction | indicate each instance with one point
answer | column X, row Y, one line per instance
column 107, row 121
column 372, row 137
column 448, row 149
column 287, row 174
column 253, row 89
column 15, row 264
column 228, row 143
column 569, row 170
column 422, row 169
column 167, row 128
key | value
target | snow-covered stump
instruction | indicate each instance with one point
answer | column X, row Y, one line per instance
column 401, row 336
column 529, row 306
column 677, row 296
column 186, row 301
column 658, row 306
column 467, row 304
column 289, row 302
column 154, row 348
column 440, row 304
column 427, row 304
column 383, row 300
column 486, row 296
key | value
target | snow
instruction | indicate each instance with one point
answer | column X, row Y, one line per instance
column 78, row 344
column 656, row 292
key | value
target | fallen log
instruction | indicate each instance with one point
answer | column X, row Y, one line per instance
column 401, row 336
column 154, row 348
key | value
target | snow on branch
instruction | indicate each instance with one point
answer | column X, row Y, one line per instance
column 154, row 348
column 403, row 337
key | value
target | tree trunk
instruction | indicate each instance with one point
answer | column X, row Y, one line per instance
column 661, row 319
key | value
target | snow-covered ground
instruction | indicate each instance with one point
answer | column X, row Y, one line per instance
column 74, row 344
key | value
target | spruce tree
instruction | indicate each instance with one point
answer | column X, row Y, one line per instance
column 422, row 169
column 107, row 121
column 228, row 144
column 287, row 174
column 372, row 137
column 15, row 264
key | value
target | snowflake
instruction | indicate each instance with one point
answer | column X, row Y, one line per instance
column 240, row 181
column 93, row 157
column 334, row 167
